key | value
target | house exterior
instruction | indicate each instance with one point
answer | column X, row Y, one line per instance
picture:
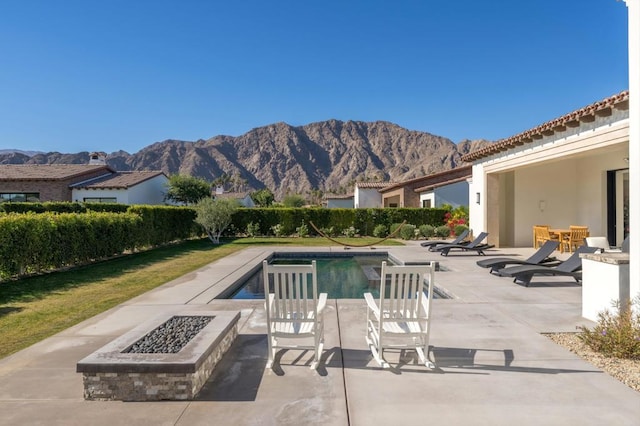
column 445, row 187
column 46, row 182
column 454, row 192
column 144, row 187
column 573, row 170
column 339, row 201
column 79, row 182
column 367, row 194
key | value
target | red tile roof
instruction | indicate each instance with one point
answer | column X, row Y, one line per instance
column 375, row 185
column 48, row 171
column 119, row 180
column 573, row 119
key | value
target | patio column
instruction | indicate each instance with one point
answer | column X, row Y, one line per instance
column 633, row 8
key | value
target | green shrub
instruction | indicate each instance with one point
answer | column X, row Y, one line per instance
column 278, row 230
column 616, row 334
column 302, row 230
column 350, row 232
column 394, row 227
column 442, row 231
column 427, row 231
column 329, row 232
column 253, row 229
column 408, row 232
column 380, row 231
column 458, row 229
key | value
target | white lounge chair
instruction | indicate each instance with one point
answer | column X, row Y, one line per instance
column 401, row 319
column 294, row 308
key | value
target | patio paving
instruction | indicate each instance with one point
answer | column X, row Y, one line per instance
column 493, row 365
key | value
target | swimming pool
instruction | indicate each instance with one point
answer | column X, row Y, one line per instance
column 341, row 277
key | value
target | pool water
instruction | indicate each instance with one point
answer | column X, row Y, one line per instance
column 340, row 278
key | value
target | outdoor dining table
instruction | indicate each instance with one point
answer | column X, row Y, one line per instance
column 561, row 233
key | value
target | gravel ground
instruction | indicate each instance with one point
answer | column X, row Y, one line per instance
column 625, row 370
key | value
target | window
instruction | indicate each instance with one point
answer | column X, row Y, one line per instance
column 100, row 199
column 19, row 197
column 426, row 204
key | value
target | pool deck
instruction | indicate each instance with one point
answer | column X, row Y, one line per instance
column 493, row 365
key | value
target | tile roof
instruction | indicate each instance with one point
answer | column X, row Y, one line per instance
column 464, row 171
column 48, row 171
column 119, row 180
column 586, row 114
column 375, row 185
column 338, row 196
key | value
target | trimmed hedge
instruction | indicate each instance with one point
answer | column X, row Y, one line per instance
column 36, row 237
column 364, row 220
column 32, row 242
column 62, row 207
column 163, row 224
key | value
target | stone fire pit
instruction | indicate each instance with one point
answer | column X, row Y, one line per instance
column 167, row 358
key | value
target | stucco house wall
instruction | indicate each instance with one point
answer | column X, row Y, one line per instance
column 556, row 177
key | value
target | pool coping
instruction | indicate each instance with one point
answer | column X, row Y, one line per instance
column 245, row 268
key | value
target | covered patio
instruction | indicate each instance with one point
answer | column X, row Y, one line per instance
column 570, row 171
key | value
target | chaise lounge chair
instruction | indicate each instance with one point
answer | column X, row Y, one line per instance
column 475, row 245
column 433, row 244
column 540, row 256
column 572, row 267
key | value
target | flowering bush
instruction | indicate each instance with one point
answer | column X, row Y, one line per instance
column 456, row 217
column 616, row 334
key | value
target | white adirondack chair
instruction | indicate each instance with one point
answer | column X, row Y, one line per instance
column 294, row 311
column 401, row 319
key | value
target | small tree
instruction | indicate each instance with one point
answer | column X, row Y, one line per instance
column 294, row 200
column 215, row 215
column 263, row 197
column 187, row 189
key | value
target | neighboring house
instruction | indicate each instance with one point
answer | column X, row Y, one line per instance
column 367, row 194
column 454, row 192
column 244, row 198
column 143, row 187
column 573, row 170
column 339, row 201
column 429, row 191
column 79, row 182
column 45, row 182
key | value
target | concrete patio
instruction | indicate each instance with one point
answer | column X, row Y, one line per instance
column 494, row 366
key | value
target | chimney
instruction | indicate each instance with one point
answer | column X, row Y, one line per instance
column 98, row 158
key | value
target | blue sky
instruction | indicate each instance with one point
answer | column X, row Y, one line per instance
column 79, row 75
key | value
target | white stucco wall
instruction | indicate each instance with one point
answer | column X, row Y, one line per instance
column 150, row 191
column 566, row 170
column 430, row 195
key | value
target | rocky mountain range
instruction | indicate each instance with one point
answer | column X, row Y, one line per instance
column 329, row 155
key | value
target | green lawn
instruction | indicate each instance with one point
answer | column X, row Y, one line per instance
column 35, row 308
